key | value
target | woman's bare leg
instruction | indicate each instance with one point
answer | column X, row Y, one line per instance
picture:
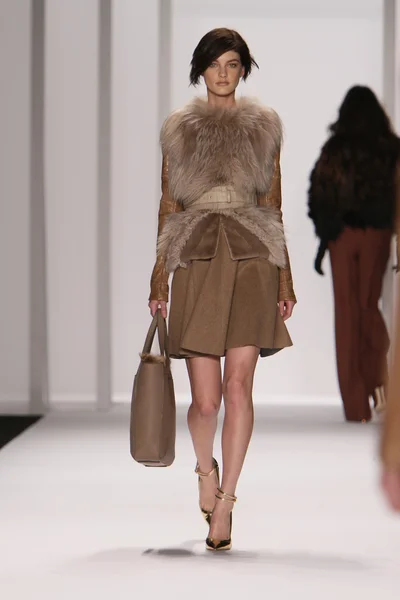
column 237, row 388
column 206, row 386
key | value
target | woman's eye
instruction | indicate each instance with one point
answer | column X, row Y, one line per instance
column 233, row 65
column 214, row 64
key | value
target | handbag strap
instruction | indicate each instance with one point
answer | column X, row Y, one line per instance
column 158, row 323
column 162, row 334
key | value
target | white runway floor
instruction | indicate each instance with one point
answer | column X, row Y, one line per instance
column 80, row 520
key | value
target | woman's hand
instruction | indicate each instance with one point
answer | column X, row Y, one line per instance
column 154, row 305
column 286, row 308
column 391, row 487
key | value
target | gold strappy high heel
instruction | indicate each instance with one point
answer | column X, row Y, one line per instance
column 379, row 397
column 207, row 513
column 219, row 545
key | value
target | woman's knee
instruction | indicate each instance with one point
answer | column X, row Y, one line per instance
column 206, row 407
column 237, row 390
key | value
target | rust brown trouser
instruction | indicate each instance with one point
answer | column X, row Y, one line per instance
column 359, row 258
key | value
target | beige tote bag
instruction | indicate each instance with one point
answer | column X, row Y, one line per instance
column 153, row 411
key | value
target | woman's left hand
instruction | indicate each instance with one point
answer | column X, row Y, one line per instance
column 286, row 308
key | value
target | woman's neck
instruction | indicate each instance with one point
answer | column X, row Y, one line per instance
column 221, row 101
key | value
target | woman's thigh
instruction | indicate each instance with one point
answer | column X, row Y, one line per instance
column 205, row 379
column 240, row 364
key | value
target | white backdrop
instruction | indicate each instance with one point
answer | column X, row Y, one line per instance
column 309, row 53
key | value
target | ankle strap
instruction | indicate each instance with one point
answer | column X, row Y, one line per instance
column 225, row 497
column 197, row 469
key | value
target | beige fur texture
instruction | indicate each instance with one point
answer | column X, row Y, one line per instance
column 263, row 222
column 211, row 146
column 152, row 358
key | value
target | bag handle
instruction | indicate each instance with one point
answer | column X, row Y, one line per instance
column 162, row 334
column 158, row 323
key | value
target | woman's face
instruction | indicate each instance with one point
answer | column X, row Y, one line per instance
column 223, row 75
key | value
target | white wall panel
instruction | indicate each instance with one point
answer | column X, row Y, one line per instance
column 71, row 195
column 135, row 179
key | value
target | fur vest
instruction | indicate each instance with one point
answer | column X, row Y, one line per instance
column 208, row 146
column 353, row 183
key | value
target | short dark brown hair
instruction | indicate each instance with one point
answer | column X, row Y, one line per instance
column 213, row 45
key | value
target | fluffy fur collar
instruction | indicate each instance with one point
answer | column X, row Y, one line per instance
column 208, row 146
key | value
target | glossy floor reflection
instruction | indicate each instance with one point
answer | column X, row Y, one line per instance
column 79, row 519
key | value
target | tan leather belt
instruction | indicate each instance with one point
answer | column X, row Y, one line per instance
column 222, row 197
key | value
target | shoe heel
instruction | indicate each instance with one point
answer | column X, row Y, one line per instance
column 214, row 544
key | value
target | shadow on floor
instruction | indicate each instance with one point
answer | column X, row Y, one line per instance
column 194, row 549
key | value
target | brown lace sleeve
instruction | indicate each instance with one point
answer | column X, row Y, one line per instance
column 159, row 288
column 274, row 198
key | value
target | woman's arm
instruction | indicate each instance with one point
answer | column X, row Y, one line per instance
column 323, row 207
column 397, row 215
column 159, row 289
column 390, row 438
column 274, row 198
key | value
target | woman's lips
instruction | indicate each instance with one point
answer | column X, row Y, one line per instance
column 222, row 83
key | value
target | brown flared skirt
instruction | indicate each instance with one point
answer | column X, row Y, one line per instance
column 221, row 303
